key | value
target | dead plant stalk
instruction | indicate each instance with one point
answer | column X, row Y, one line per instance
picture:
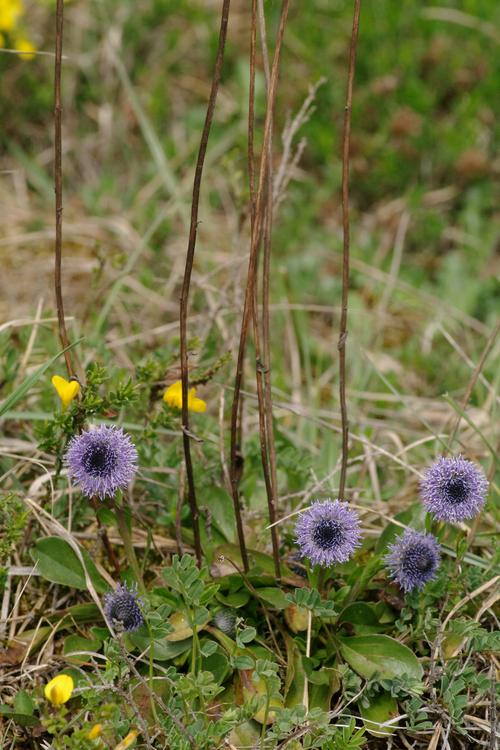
column 341, row 345
column 193, row 229
column 256, row 236
column 63, row 334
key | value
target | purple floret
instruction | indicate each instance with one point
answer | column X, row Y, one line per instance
column 102, row 460
column 122, row 605
column 454, row 489
column 413, row 559
column 328, row 532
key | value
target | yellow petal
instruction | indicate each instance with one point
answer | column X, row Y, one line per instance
column 196, row 404
column 26, row 48
column 173, row 397
column 127, row 741
column 59, row 689
column 67, row 390
column 95, row 732
column 10, row 13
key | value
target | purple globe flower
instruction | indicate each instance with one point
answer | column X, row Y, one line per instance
column 102, row 460
column 453, row 489
column 122, row 605
column 328, row 532
column 413, row 559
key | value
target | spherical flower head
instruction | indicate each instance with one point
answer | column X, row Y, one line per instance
column 123, row 605
column 102, row 460
column 328, row 532
column 453, row 489
column 225, row 620
column 59, row 689
column 413, row 559
column 173, row 398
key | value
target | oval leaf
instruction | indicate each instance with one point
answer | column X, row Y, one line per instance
column 381, row 655
column 58, row 563
column 381, row 708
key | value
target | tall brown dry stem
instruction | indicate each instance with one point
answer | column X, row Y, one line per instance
column 193, row 229
column 63, row 334
column 341, row 345
column 256, row 236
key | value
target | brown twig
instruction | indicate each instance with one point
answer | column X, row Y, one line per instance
column 269, row 458
column 259, row 369
column 251, row 111
column 341, row 345
column 251, row 275
column 193, row 229
column 63, row 334
column 472, row 382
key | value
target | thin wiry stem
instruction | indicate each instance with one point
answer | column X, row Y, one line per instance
column 472, row 382
column 341, row 345
column 187, row 276
column 63, row 334
column 251, row 274
column 251, row 111
column 263, row 369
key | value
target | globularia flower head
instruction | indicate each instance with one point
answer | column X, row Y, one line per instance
column 453, row 489
column 225, row 620
column 413, row 559
column 328, row 532
column 102, row 460
column 122, row 605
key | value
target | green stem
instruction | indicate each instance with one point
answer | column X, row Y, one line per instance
column 128, row 546
column 264, row 723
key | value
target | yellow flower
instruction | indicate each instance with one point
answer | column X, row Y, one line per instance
column 173, row 397
column 59, row 690
column 66, row 390
column 10, row 12
column 127, row 741
column 26, row 48
column 95, row 732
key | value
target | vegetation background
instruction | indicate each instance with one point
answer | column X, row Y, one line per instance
column 423, row 301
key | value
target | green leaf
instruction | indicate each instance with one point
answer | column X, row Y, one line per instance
column 408, row 517
column 321, row 693
column 106, row 516
column 379, row 654
column 244, row 662
column 24, row 703
column 246, row 635
column 25, row 386
column 73, row 644
column 273, row 596
column 58, row 563
column 24, row 720
column 295, row 674
column 84, row 612
column 235, row 600
column 381, row 708
column 261, row 566
column 217, row 662
column 207, row 648
column 220, row 505
column 362, row 618
column 162, row 649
